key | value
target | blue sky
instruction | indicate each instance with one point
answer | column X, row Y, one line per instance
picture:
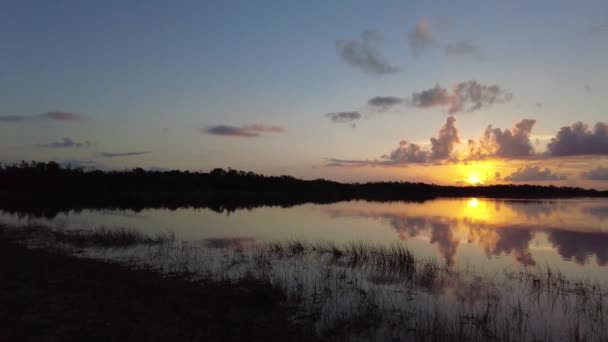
column 153, row 76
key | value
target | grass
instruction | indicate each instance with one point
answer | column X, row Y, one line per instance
column 111, row 237
column 359, row 291
column 49, row 296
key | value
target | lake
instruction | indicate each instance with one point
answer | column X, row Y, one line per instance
column 484, row 234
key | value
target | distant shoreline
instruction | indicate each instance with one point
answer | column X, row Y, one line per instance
column 48, row 188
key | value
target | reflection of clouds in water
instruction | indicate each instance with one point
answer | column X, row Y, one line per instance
column 495, row 240
column 406, row 227
column 579, row 246
column 533, row 209
column 600, row 212
column 232, row 242
column 515, row 241
column 444, row 237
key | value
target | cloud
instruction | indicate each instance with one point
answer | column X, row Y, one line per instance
column 513, row 143
column 409, row 153
column 383, row 103
column 364, row 55
column 442, row 146
column 53, row 116
column 466, row 96
column 463, row 48
column 67, row 142
column 62, row 116
column 600, row 174
column 336, row 162
column 123, row 154
column 588, row 88
column 247, row 131
column 578, row 139
column 421, row 36
column 343, row 117
column 533, row 174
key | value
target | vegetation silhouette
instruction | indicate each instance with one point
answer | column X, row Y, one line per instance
column 44, row 189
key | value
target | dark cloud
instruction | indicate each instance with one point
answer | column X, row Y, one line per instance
column 578, row 139
column 15, row 118
column 533, row 173
column 600, row 174
column 123, row 154
column 410, row 153
column 62, row 116
column 463, row 48
column 364, row 55
column 343, row 117
column 466, row 96
column 513, row 143
column 67, row 142
column 434, row 97
column 443, row 145
column 53, row 116
column 385, row 102
column 247, row 131
column 421, row 36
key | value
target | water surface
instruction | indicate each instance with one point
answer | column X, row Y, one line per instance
column 484, row 234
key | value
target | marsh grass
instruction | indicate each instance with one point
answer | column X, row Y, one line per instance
column 359, row 291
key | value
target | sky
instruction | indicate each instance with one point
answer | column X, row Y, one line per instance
column 447, row 92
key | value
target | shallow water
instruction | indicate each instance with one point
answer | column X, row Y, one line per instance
column 483, row 234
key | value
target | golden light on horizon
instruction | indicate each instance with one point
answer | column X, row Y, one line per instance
column 473, row 179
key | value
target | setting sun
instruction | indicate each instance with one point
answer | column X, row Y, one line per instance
column 473, row 179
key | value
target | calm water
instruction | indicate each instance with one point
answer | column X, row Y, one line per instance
column 480, row 233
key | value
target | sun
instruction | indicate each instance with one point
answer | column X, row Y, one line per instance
column 473, row 179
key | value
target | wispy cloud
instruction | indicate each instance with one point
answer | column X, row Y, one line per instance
column 67, row 142
column 123, row 154
column 600, row 174
column 343, row 117
column 364, row 54
column 421, row 36
column 466, row 96
column 48, row 116
column 247, row 131
column 463, row 48
column 383, row 103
